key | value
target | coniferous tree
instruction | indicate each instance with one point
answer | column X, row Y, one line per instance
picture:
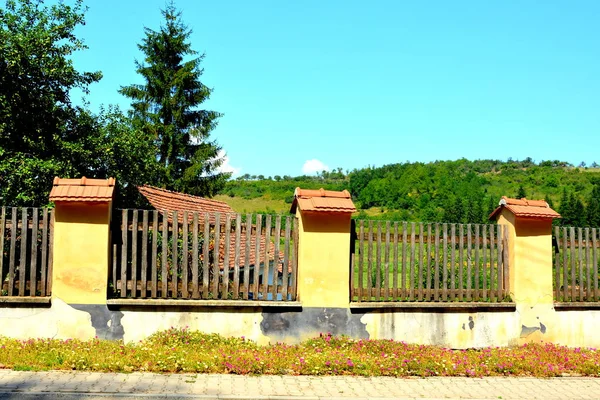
column 593, row 208
column 166, row 107
column 521, row 192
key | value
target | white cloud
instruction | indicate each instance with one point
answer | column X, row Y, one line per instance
column 226, row 167
column 313, row 166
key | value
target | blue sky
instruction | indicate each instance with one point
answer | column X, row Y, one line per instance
column 356, row 83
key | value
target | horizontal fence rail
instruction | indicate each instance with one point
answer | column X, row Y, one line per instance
column 26, row 241
column 209, row 256
column 576, row 265
column 403, row 261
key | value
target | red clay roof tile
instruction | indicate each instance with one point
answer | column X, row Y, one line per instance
column 526, row 208
column 82, row 190
column 322, row 201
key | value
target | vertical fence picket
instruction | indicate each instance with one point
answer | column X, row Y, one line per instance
column 484, row 293
column 505, row 262
column 216, row 257
column 445, row 262
column 175, row 255
column 588, row 271
column 206, row 258
column 144, row 274
column 236, row 259
column 185, row 256
column 124, row 236
column 134, row 232
column 387, row 262
column 421, row 254
column 395, row 267
column 412, row 264
column 50, row 253
column 257, row 240
column 265, row 281
column 154, row 262
column 429, row 286
column 370, row 263
column 499, row 262
column 286, row 260
column 452, row 261
column 573, row 263
column 195, row 256
column 164, row 275
column 276, row 256
column 595, row 261
column 580, row 263
column 461, row 245
column 13, row 249
column 477, row 247
column 34, row 253
column 565, row 258
column 378, row 264
column 44, row 260
column 23, row 258
column 248, row 237
column 469, row 263
column 436, row 279
column 403, row 276
column 361, row 246
column 557, row 265
column 492, row 261
column 226, row 258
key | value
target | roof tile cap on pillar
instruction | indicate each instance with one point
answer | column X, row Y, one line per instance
column 322, row 200
column 537, row 209
column 83, row 190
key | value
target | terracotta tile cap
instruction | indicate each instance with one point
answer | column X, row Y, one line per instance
column 82, row 190
column 525, row 208
column 322, row 200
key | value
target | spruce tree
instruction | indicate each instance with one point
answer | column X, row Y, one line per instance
column 593, row 208
column 521, row 192
column 166, row 107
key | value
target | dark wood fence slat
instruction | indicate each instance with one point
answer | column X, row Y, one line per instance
column 595, row 261
column 436, row 279
column 412, row 266
column 386, row 273
column 484, row 268
column 370, row 261
column 453, row 260
column 23, row 258
column 134, row 232
column 461, row 245
column 421, row 255
column 216, row 261
column 12, row 251
column 50, row 253
column 360, row 251
column 265, row 275
column 573, row 264
column 44, row 260
column 257, row 239
column 276, row 256
column 469, row 264
column 477, row 244
column 144, row 263
column 445, row 266
column 227, row 246
column 247, row 256
column 185, row 255
column 557, row 265
column 286, row 259
column 492, row 261
column 395, row 266
column 206, row 257
column 195, row 256
column 588, row 271
column 154, row 277
column 429, row 285
column 565, row 264
column 236, row 260
column 580, row 263
column 124, row 246
column 403, row 291
column 34, row 253
column 164, row 277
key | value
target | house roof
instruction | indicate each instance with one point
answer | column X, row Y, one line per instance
column 162, row 199
column 524, row 208
column 82, row 190
column 253, row 258
column 322, row 201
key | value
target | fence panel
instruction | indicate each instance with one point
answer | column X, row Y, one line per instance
column 26, row 240
column 430, row 262
column 575, row 276
column 210, row 256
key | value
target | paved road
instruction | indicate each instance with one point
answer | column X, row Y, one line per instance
column 83, row 385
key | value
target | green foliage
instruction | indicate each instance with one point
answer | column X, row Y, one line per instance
column 165, row 108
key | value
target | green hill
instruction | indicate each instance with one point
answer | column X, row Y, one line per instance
column 450, row 191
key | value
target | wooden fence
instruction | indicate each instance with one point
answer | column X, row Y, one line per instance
column 430, row 262
column 576, row 264
column 210, row 256
column 26, row 236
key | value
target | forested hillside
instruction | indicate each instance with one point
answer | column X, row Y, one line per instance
column 450, row 191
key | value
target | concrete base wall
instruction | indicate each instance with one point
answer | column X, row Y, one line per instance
column 452, row 329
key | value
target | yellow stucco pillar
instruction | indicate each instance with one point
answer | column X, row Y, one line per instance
column 81, row 239
column 529, row 227
column 323, row 247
